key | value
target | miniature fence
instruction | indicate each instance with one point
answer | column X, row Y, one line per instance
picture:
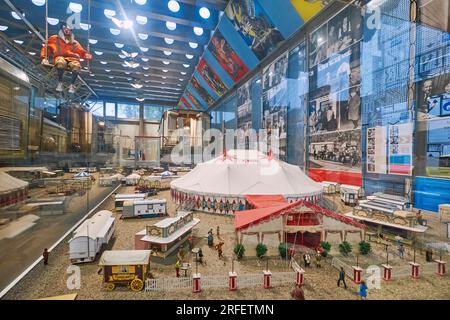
column 403, row 271
column 220, row 281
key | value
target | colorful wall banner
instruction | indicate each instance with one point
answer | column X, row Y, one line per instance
column 211, row 78
column 254, row 26
column 307, row 8
column 202, row 91
column 227, row 57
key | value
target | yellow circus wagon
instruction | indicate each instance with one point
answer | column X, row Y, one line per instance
column 126, row 268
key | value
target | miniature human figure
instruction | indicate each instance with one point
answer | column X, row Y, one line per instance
column 318, row 259
column 429, row 255
column 341, row 278
column 177, row 268
column 298, row 293
column 191, row 242
column 66, row 52
column 401, row 251
column 307, row 259
column 181, row 254
column 45, row 256
column 200, row 256
column 210, row 239
column 362, row 290
column 419, row 217
column 219, row 249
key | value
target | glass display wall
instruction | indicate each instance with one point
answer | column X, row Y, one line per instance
column 361, row 97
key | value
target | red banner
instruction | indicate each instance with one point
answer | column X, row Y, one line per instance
column 342, row 177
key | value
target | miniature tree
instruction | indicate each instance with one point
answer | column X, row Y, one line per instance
column 261, row 250
column 345, row 248
column 326, row 246
column 239, row 250
column 283, row 250
column 364, row 247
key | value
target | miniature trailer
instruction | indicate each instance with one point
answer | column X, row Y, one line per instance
column 144, row 208
column 90, row 236
column 351, row 194
column 125, row 267
column 330, row 187
column 122, row 197
column 165, row 236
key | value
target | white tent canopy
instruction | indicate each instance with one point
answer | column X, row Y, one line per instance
column 82, row 174
column 247, row 172
column 125, row 257
column 10, row 184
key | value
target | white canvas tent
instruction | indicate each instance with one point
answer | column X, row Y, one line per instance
column 125, row 258
column 133, row 179
column 82, row 175
column 228, row 178
column 12, row 190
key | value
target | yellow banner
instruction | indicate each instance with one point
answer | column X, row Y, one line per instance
column 307, row 8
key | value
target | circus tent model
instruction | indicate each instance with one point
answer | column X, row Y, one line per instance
column 12, row 190
column 221, row 184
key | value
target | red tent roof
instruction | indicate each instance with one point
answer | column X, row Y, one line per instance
column 247, row 218
column 264, row 201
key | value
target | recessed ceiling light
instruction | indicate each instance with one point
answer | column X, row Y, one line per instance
column 141, row 20
column 103, row 62
column 167, row 53
column 140, row 2
column 85, row 26
column 186, row 65
column 107, row 70
column 145, row 68
column 164, row 70
column 198, row 31
column 109, row 13
column 164, row 77
column 143, row 49
column 118, row 45
column 99, row 53
column 143, row 36
column 18, row 41
column 183, row 73
column 173, row 6
column 93, row 41
column 16, row 16
column 193, row 45
column 166, row 62
column 3, row 28
column 204, row 12
column 189, row 56
column 121, row 56
column 52, row 21
column 75, row 7
column 136, row 85
column 92, row 75
column 127, row 72
column 181, row 79
column 38, row 3
column 140, row 99
column 144, row 59
column 115, row 32
column 32, row 53
column 171, row 25
column 111, row 77
column 168, row 40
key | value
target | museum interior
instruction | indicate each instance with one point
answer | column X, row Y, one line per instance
column 224, row 149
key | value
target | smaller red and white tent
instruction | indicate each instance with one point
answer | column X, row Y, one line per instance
column 12, row 190
column 300, row 223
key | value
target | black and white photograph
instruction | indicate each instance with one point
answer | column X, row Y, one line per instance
column 318, row 45
column 276, row 72
column 338, row 151
column 323, row 114
column 350, row 109
column 244, row 107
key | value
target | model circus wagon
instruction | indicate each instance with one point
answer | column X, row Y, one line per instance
column 125, row 267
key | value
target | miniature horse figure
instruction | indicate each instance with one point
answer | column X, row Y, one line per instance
column 66, row 52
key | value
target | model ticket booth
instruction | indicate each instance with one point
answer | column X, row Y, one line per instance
column 125, row 267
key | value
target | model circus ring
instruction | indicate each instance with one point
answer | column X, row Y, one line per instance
column 220, row 185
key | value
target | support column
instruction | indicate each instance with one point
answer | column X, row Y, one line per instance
column 441, row 267
column 415, row 270
column 196, row 283
column 267, row 279
column 387, row 272
column 232, row 284
column 357, row 274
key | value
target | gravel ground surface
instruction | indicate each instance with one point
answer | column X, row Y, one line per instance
column 44, row 281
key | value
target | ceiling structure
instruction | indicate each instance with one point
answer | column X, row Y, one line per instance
column 143, row 49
